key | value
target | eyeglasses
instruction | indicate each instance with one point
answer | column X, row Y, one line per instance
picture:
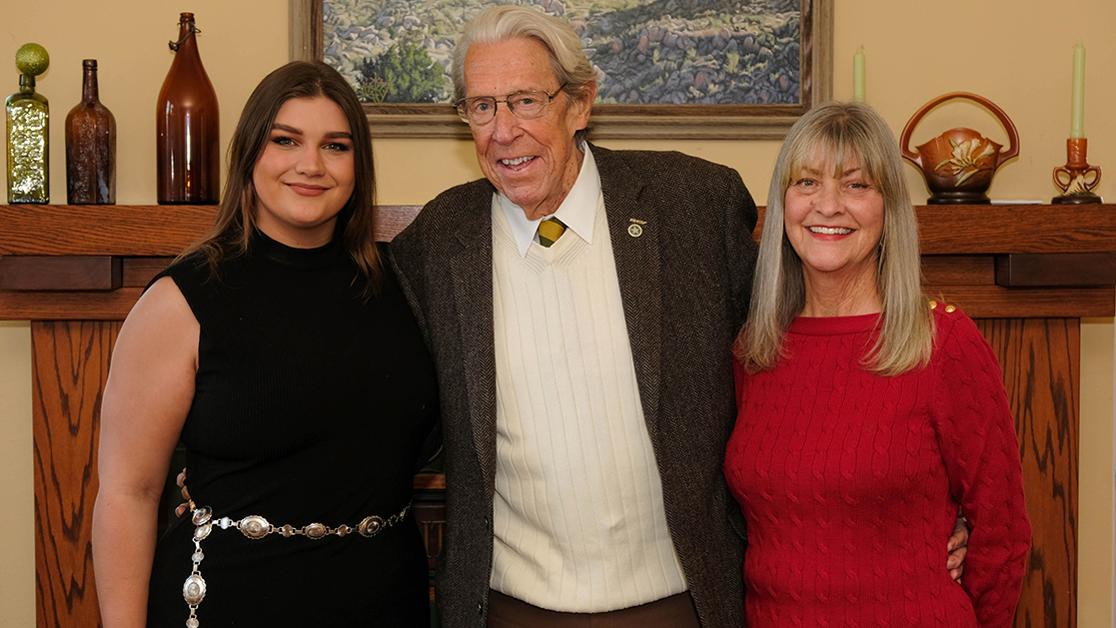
column 480, row 110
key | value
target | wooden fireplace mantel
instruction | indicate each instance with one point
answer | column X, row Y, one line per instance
column 89, row 262
column 1027, row 273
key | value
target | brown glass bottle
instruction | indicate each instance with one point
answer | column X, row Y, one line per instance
column 90, row 146
column 188, row 141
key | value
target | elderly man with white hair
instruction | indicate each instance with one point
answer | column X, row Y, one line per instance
column 581, row 305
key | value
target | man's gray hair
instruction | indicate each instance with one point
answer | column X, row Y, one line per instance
column 506, row 22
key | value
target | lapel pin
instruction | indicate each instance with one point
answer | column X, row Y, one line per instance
column 635, row 227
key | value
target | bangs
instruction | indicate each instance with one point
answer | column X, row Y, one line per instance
column 831, row 146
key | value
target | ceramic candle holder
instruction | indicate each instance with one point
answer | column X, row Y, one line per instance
column 1076, row 179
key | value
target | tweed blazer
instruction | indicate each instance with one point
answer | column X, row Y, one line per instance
column 685, row 281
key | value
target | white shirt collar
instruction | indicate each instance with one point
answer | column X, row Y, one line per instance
column 578, row 210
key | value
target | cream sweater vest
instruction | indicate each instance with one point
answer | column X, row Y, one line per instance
column 578, row 513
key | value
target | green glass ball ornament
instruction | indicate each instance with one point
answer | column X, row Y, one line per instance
column 32, row 59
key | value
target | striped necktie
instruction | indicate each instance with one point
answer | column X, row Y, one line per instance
column 550, row 230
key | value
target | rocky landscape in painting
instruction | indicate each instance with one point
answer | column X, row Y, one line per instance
column 648, row 52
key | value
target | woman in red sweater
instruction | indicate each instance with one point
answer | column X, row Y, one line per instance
column 869, row 415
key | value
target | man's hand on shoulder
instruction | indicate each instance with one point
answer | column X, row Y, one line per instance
column 957, row 548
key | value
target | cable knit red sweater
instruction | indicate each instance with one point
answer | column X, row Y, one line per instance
column 850, row 482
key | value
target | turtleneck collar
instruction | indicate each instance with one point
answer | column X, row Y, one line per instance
column 317, row 257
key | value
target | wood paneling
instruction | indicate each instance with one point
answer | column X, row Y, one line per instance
column 70, row 365
column 1040, row 359
column 76, row 272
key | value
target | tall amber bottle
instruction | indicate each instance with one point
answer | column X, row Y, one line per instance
column 90, row 145
column 188, row 159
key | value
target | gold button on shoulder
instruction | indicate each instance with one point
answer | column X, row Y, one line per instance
column 950, row 309
column 933, row 304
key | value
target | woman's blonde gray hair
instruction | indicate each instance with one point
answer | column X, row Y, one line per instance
column 834, row 134
column 506, row 22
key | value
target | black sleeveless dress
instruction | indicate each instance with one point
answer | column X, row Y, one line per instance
column 310, row 405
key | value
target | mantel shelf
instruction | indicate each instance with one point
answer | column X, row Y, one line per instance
column 90, row 262
column 165, row 230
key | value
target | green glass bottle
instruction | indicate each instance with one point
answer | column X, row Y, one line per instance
column 28, row 123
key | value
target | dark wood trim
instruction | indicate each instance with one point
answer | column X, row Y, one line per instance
column 139, row 271
column 1056, row 269
column 958, row 270
column 78, row 272
column 997, row 302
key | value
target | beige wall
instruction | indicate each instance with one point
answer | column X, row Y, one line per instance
column 1095, row 552
column 1015, row 52
column 17, row 549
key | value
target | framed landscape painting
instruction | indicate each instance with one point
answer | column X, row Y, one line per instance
column 667, row 68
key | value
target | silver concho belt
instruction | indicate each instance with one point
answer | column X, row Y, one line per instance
column 256, row 527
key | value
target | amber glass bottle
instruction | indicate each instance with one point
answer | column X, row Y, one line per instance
column 188, row 142
column 90, row 146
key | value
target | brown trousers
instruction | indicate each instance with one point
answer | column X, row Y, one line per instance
column 676, row 611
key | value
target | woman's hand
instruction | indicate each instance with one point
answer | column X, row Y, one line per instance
column 187, row 504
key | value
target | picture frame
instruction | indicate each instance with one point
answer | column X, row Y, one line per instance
column 615, row 120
